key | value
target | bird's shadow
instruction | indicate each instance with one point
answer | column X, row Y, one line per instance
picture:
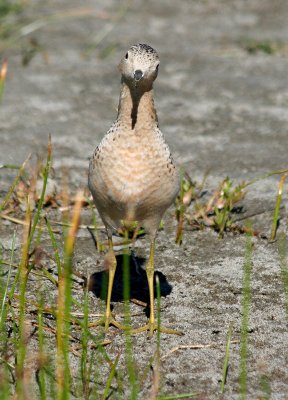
column 137, row 279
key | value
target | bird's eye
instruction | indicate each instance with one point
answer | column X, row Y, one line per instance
column 126, row 57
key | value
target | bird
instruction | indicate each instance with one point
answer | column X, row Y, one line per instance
column 132, row 174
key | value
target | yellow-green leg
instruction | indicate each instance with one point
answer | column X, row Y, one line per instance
column 152, row 325
column 110, row 264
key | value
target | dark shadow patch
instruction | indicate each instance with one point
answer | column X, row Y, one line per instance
column 139, row 290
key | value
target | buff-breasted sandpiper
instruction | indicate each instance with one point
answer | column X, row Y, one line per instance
column 132, row 175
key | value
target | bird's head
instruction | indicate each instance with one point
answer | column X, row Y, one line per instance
column 139, row 66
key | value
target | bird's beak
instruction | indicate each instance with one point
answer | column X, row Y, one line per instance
column 138, row 75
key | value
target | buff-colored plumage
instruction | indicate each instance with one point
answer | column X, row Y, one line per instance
column 132, row 175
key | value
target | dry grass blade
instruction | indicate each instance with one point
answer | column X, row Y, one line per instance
column 194, row 347
column 23, row 222
column 260, row 178
column 70, row 240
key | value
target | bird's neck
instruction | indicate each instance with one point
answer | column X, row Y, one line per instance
column 136, row 108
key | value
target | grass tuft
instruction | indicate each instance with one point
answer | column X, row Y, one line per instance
column 254, row 46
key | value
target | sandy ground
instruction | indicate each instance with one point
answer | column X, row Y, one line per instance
column 224, row 110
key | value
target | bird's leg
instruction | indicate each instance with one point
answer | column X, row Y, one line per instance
column 152, row 325
column 110, row 259
column 110, row 264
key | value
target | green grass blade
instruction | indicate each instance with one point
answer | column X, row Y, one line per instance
column 21, row 335
column 157, row 372
column 85, row 376
column 10, row 294
column 226, row 359
column 282, row 249
column 64, row 304
column 9, row 166
column 158, row 293
column 54, row 245
column 5, row 367
column 246, row 301
column 127, row 322
column 42, row 196
column 3, row 297
column 277, row 208
column 110, row 378
column 41, row 341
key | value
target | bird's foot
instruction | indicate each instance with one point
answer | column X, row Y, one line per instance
column 151, row 327
column 108, row 320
